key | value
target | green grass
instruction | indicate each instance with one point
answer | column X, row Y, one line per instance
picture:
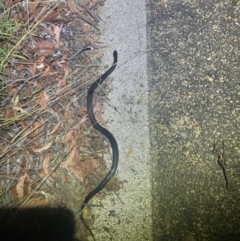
column 8, row 30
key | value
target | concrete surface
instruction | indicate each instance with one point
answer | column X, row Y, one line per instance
column 126, row 215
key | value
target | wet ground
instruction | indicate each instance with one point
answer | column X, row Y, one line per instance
column 193, row 103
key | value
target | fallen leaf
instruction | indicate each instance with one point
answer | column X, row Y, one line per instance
column 55, row 128
column 83, row 110
column 9, row 112
column 57, row 31
column 20, row 186
column 33, row 7
column 54, row 15
column 87, row 166
column 67, row 112
column 77, row 173
column 99, row 116
column 44, row 148
column 68, row 137
column 72, row 7
column 16, row 106
column 64, row 80
column 35, row 129
column 70, row 157
column 45, row 44
column 43, row 100
column 95, row 163
column 46, row 163
column 84, row 118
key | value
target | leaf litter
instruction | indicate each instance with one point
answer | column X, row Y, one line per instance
column 49, row 152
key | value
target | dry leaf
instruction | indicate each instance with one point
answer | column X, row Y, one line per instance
column 99, row 116
column 20, row 186
column 46, row 163
column 35, row 129
column 70, row 157
column 45, row 44
column 95, row 163
column 33, row 7
column 15, row 102
column 67, row 137
column 84, row 118
column 88, row 166
column 72, row 7
column 54, row 15
column 55, row 128
column 9, row 112
column 77, row 173
column 44, row 148
column 83, row 110
column 67, row 113
column 57, row 31
column 64, row 80
column 43, row 100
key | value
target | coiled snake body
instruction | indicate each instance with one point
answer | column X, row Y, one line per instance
column 106, row 133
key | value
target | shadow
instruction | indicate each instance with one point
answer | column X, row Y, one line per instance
column 38, row 224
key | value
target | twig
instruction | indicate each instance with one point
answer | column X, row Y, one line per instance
column 88, row 20
column 85, row 47
column 20, row 80
column 91, row 13
column 221, row 161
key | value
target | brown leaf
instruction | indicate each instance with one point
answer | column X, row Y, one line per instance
column 68, row 137
column 77, row 173
column 43, row 101
column 33, row 7
column 35, row 129
column 67, row 113
column 9, row 112
column 70, row 157
column 57, row 31
column 46, row 163
column 72, row 7
column 20, row 186
column 99, row 116
column 88, row 166
column 55, row 128
column 16, row 106
column 84, row 118
column 45, row 44
column 54, row 15
column 64, row 80
column 44, row 148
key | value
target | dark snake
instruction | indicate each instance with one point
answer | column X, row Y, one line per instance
column 106, row 133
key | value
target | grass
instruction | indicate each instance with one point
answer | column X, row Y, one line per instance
column 8, row 29
column 12, row 36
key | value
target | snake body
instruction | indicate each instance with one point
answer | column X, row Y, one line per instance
column 106, row 133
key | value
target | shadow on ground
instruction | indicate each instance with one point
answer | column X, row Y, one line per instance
column 37, row 224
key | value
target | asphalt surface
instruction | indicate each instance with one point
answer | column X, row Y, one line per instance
column 193, row 103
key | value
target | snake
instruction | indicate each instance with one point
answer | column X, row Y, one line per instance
column 107, row 134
